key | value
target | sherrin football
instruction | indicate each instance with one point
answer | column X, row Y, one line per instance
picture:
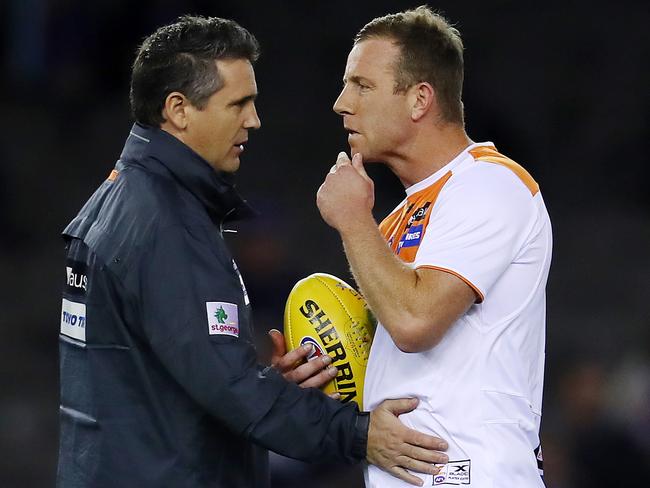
column 327, row 312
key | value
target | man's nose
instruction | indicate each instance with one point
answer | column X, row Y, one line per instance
column 253, row 121
column 342, row 105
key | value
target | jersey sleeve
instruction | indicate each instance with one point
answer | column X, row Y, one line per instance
column 181, row 273
column 476, row 227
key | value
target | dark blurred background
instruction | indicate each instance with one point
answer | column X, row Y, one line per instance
column 560, row 86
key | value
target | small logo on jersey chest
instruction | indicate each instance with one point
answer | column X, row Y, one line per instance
column 412, row 237
column 453, row 473
column 419, row 214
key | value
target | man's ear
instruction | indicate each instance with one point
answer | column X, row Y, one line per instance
column 423, row 100
column 175, row 110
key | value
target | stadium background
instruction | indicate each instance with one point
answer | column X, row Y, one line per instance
column 557, row 85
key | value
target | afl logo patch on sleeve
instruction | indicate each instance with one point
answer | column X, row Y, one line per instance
column 223, row 318
column 73, row 320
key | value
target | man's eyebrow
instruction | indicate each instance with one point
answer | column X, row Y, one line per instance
column 356, row 79
column 244, row 100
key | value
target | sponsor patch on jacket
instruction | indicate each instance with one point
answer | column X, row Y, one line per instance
column 453, row 473
column 223, row 318
column 73, row 320
column 76, row 280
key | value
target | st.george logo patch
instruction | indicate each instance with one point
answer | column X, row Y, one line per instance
column 223, row 318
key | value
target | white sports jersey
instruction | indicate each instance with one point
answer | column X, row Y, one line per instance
column 483, row 219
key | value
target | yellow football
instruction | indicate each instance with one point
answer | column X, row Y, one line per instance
column 327, row 312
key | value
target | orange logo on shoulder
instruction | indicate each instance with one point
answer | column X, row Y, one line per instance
column 113, row 175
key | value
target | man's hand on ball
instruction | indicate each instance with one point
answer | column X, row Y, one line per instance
column 395, row 448
column 347, row 194
column 293, row 365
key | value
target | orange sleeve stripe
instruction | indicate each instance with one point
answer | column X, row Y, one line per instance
column 490, row 155
column 457, row 275
column 394, row 226
column 113, row 175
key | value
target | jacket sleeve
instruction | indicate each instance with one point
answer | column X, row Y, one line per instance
column 184, row 278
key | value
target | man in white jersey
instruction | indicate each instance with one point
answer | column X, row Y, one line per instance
column 456, row 274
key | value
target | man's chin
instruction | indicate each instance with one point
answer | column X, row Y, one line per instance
column 230, row 165
column 367, row 156
column 356, row 148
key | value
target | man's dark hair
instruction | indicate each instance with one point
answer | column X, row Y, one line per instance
column 181, row 57
column 431, row 50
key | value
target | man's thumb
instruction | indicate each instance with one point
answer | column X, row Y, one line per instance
column 403, row 405
column 277, row 339
column 357, row 163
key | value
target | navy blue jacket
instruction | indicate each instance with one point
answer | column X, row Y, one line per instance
column 160, row 385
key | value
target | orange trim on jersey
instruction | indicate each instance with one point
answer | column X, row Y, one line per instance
column 457, row 275
column 113, row 175
column 402, row 239
column 489, row 154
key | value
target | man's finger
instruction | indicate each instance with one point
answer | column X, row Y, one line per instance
column 426, row 455
column 425, row 441
column 293, row 357
column 404, row 475
column 321, row 379
column 308, row 369
column 342, row 159
column 278, row 345
column 357, row 163
column 417, row 466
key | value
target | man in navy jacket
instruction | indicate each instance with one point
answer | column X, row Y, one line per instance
column 160, row 384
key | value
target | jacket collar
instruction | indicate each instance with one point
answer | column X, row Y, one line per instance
column 152, row 147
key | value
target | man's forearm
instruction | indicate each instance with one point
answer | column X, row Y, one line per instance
column 388, row 285
column 415, row 306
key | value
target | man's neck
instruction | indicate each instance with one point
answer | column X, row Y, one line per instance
column 430, row 149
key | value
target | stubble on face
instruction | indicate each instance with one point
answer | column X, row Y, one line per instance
column 374, row 115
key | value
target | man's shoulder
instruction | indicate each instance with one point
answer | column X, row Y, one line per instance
column 487, row 171
column 485, row 183
column 129, row 210
column 487, row 191
column 148, row 196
